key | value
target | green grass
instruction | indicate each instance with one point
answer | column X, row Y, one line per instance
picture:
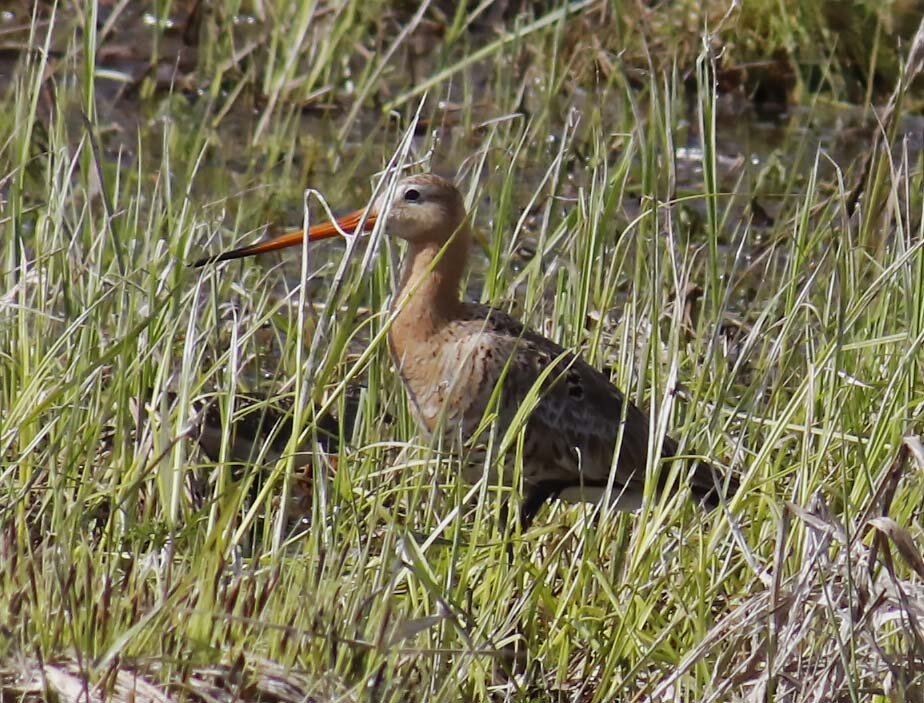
column 789, row 349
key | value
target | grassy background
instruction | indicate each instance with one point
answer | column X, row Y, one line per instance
column 722, row 206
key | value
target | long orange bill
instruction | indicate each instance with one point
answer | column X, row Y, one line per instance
column 347, row 223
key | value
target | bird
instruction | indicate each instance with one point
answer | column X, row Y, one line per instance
column 258, row 433
column 458, row 360
column 261, row 421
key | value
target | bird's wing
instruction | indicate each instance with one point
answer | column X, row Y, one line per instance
column 572, row 430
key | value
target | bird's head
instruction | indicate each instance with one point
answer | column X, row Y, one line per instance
column 423, row 209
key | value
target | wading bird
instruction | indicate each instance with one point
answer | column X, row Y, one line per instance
column 581, row 434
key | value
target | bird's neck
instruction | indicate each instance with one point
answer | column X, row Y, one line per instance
column 428, row 294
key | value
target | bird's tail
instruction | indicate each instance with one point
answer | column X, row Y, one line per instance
column 708, row 485
column 707, row 482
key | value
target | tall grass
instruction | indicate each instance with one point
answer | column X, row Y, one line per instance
column 603, row 204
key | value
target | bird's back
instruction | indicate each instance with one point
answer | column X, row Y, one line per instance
column 576, row 416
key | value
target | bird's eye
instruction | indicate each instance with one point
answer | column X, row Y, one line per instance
column 412, row 195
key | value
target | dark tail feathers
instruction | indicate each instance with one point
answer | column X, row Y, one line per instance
column 708, row 484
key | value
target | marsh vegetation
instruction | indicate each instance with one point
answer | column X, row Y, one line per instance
column 722, row 205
